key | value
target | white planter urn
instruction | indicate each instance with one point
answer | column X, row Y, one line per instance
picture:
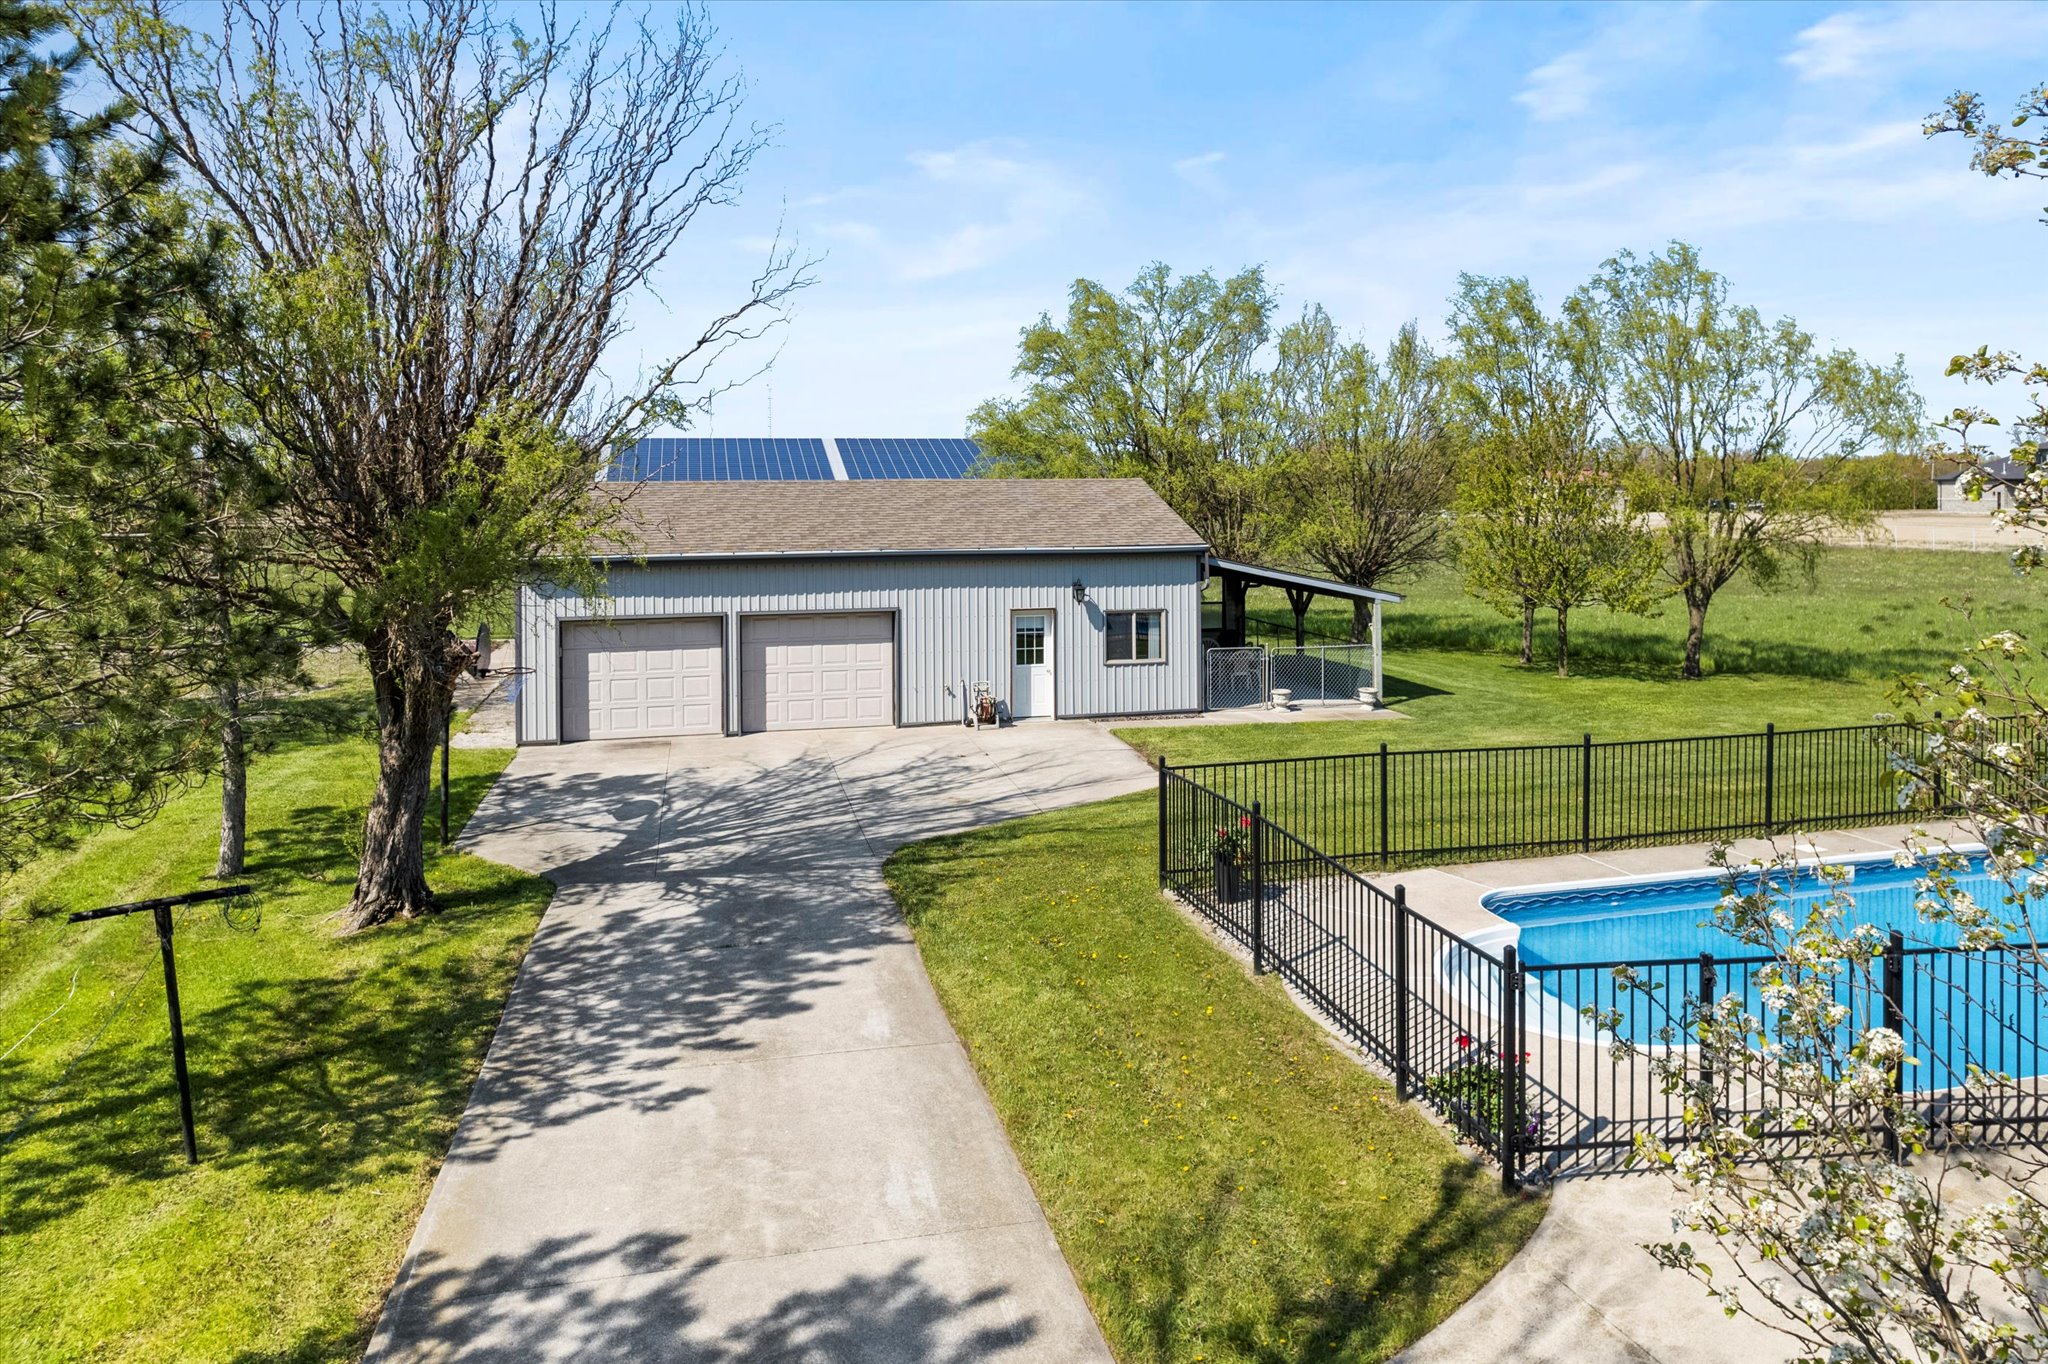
column 1283, row 698
column 1369, row 698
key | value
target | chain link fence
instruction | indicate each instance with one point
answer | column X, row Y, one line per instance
column 1323, row 674
column 1314, row 674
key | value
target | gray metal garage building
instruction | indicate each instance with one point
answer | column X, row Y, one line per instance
column 744, row 606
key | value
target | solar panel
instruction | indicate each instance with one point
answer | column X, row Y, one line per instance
column 866, row 457
column 719, row 459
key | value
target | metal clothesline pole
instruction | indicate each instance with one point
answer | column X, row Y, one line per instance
column 161, row 910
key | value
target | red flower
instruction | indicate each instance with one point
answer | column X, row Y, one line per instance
column 1244, row 822
column 1464, row 1041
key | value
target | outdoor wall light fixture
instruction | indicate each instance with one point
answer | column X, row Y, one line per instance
column 1080, row 592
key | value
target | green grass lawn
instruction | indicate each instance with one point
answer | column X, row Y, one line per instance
column 1225, row 1184
column 1869, row 615
column 1800, row 656
column 329, row 1075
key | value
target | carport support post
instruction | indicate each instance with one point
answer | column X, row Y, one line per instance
column 1231, row 633
column 1258, row 891
column 1299, row 598
column 1379, row 682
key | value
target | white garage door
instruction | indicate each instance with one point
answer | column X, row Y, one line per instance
column 635, row 679
column 816, row 672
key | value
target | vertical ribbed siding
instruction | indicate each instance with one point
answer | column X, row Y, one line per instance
column 952, row 623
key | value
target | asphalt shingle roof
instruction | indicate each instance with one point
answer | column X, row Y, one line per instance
column 951, row 516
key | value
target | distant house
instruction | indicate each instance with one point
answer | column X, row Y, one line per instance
column 2001, row 476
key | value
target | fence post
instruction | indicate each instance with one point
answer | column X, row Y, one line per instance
column 1383, row 803
column 1940, row 780
column 1162, row 821
column 1510, row 1071
column 1586, row 793
column 1895, row 1019
column 1258, row 891
column 1401, row 1090
column 1770, row 779
column 1708, row 984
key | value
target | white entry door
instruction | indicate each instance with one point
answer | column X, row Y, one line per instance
column 1031, row 664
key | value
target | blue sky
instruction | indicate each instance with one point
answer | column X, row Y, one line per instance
column 960, row 166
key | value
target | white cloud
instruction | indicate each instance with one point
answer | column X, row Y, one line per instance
column 1858, row 43
column 1560, row 88
column 1618, row 52
column 1200, row 172
column 1015, row 203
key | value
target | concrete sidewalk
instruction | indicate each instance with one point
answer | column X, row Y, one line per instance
column 724, row 1117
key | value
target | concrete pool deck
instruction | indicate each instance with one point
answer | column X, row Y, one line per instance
column 1583, row 1290
column 1451, row 895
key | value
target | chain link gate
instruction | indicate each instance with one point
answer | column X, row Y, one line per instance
column 1237, row 677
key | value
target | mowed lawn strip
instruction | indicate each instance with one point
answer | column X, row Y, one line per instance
column 1225, row 1183
column 329, row 1076
column 1796, row 656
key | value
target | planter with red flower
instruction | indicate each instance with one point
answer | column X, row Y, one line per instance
column 1473, row 1092
column 1229, row 853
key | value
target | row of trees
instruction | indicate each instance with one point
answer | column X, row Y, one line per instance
column 1650, row 438
column 1941, row 1252
column 299, row 343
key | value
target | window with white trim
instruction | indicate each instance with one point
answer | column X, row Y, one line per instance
column 1135, row 637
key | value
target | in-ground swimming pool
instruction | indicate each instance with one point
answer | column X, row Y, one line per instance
column 1670, row 917
column 1967, row 1008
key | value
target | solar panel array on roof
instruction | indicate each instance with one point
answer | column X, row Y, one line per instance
column 718, row 459
column 866, row 457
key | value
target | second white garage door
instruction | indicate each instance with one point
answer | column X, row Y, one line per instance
column 634, row 679
column 816, row 672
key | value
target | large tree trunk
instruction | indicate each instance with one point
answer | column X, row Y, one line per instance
column 1695, row 637
column 1361, row 620
column 1563, row 642
column 1528, row 632
column 413, row 696
column 234, row 783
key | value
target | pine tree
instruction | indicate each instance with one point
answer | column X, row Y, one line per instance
column 99, row 270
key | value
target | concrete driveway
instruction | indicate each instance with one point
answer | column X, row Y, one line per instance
column 724, row 1117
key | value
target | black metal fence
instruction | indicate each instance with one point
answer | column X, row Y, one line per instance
column 1416, row 997
column 1511, row 1054
column 1406, row 807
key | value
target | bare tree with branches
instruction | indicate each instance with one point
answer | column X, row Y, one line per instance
column 441, row 215
column 1368, row 454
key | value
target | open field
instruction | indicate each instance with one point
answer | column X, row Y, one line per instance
column 1798, row 657
column 329, row 1074
column 1225, row 1183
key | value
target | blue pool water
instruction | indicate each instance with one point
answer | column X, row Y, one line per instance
column 1961, row 1008
column 1666, row 919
